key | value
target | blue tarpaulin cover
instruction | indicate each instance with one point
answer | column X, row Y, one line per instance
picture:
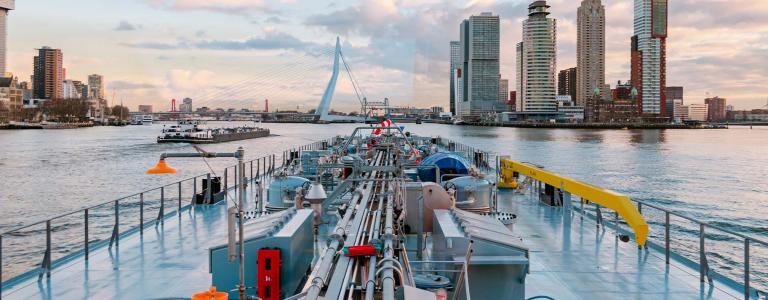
column 449, row 163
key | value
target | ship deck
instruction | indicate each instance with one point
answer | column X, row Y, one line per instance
column 568, row 261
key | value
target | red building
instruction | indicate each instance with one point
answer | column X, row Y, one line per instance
column 716, row 110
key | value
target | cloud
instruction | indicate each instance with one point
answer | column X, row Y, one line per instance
column 269, row 41
column 127, row 85
column 126, row 26
column 235, row 7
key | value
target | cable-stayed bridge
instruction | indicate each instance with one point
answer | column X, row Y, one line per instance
column 278, row 82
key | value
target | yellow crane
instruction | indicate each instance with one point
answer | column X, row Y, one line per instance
column 510, row 171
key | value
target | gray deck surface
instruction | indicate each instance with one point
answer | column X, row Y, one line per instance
column 567, row 262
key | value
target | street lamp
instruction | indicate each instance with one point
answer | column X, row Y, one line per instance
column 163, row 168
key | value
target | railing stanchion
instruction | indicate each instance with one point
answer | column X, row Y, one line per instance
column 251, row 170
column 161, row 212
column 746, row 269
column 85, row 234
column 179, row 209
column 46, row 265
column 226, row 181
column 208, row 191
column 194, row 190
column 701, row 253
column 141, row 214
column 666, row 237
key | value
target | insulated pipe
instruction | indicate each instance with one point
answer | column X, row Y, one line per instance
column 337, row 237
column 387, row 279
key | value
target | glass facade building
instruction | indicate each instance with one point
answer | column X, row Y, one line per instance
column 538, row 61
column 479, row 68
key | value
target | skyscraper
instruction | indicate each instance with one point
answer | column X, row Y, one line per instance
column 479, row 69
column 48, row 73
column 649, row 74
column 5, row 6
column 96, row 86
column 566, row 83
column 538, row 61
column 519, row 76
column 673, row 93
column 590, row 50
column 455, row 55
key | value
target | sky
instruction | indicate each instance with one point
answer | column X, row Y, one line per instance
column 236, row 53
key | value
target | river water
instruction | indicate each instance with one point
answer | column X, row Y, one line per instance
column 718, row 176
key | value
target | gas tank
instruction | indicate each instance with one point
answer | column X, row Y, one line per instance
column 282, row 192
column 472, row 193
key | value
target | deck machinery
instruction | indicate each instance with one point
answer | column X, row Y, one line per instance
column 366, row 228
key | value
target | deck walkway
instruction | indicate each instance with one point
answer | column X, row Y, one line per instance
column 575, row 261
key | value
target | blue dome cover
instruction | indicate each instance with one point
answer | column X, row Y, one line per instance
column 449, row 163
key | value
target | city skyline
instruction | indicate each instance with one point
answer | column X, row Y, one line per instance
column 152, row 51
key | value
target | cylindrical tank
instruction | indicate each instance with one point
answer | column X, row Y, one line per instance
column 448, row 163
column 282, row 192
column 472, row 193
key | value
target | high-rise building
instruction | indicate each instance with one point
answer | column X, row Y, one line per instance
column 48, row 73
column 512, row 103
column 519, row 76
column 186, row 105
column 716, row 109
column 566, row 83
column 69, row 90
column 96, row 86
column 81, row 88
column 479, row 69
column 503, row 90
column 455, row 56
column 649, row 61
column 538, row 61
column 5, row 7
column 673, row 93
column 590, row 50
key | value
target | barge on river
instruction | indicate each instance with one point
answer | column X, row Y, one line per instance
column 198, row 132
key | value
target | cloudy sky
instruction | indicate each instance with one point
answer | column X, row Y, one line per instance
column 235, row 53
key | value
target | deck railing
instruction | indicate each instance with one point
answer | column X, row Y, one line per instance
column 680, row 237
column 37, row 248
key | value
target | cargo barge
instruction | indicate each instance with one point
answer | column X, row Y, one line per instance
column 197, row 132
column 379, row 214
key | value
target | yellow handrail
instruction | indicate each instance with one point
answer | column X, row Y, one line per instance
column 606, row 198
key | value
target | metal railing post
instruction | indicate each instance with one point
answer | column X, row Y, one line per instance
column 746, row 269
column 258, row 167
column 194, row 190
column 85, row 234
column 226, row 182
column 208, row 191
column 179, row 210
column 666, row 237
column 46, row 265
column 640, row 208
column 701, row 253
column 115, row 238
column 251, row 170
column 141, row 214
column 161, row 212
